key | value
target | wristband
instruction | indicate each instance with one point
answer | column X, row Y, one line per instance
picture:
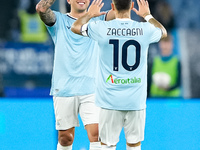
column 148, row 17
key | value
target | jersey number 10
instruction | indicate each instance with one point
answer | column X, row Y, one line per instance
column 124, row 54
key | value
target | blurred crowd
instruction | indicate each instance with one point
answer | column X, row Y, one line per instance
column 22, row 24
column 11, row 12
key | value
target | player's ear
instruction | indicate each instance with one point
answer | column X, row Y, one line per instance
column 68, row 1
column 132, row 5
column 112, row 6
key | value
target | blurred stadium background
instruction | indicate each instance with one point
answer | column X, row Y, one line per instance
column 26, row 109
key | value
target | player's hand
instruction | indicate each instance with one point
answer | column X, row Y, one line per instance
column 95, row 8
column 143, row 8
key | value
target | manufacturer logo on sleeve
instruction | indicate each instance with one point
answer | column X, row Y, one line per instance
column 123, row 81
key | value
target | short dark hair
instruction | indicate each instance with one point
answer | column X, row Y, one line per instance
column 122, row 5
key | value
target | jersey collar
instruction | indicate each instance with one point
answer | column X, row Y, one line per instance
column 71, row 16
column 123, row 19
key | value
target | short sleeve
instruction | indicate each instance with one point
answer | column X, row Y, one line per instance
column 154, row 33
column 53, row 29
column 92, row 24
column 84, row 29
column 92, row 29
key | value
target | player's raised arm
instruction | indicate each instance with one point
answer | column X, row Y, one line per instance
column 144, row 12
column 46, row 14
column 93, row 11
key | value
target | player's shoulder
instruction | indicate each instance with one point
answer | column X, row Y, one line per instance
column 96, row 22
column 58, row 15
column 66, row 15
column 102, row 17
column 147, row 24
column 141, row 23
column 64, row 18
column 144, row 25
column 57, row 12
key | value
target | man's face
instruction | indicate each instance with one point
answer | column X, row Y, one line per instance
column 166, row 47
column 79, row 5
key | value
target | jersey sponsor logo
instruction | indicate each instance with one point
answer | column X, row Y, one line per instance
column 110, row 78
column 123, row 81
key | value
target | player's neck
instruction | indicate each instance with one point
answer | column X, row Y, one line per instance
column 76, row 14
column 123, row 15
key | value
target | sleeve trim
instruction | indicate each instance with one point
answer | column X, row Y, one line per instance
column 84, row 30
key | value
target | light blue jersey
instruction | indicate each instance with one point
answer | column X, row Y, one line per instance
column 122, row 71
column 75, row 59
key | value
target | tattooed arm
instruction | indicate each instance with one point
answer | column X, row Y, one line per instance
column 45, row 13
